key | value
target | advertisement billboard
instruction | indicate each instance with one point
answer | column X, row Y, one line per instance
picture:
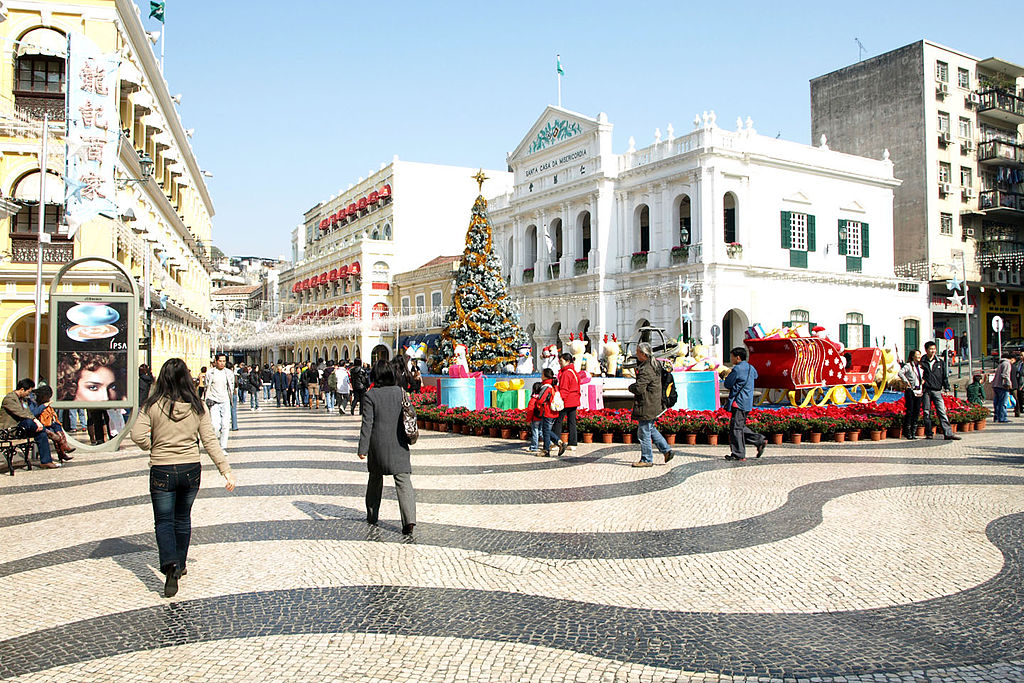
column 93, row 349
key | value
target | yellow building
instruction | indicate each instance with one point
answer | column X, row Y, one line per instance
column 422, row 298
column 162, row 232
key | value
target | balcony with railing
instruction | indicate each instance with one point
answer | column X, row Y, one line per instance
column 25, row 250
column 1000, row 200
column 1001, row 153
column 1004, row 105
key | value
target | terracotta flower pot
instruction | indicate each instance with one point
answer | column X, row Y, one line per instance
column 481, row 431
column 815, row 437
column 796, row 437
column 607, row 437
column 876, row 434
column 524, row 434
column 953, row 427
column 776, row 439
column 506, row 433
column 420, row 423
column 979, row 425
column 494, row 432
column 920, row 432
column 442, row 426
column 968, row 426
column 588, row 437
column 690, row 439
column 895, row 432
column 565, row 437
column 712, row 439
column 456, row 428
column 853, row 435
column 839, row 437
column 627, row 437
column 670, row 439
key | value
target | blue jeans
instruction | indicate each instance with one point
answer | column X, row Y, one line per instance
column 28, row 427
column 266, row 391
column 329, row 400
column 304, row 396
column 548, row 432
column 647, row 432
column 78, row 418
column 999, row 405
column 254, row 399
column 234, row 413
column 173, row 488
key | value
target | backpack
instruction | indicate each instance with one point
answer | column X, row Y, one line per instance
column 356, row 378
column 557, row 404
column 669, row 395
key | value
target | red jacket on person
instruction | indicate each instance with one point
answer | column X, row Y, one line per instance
column 569, row 386
column 543, row 402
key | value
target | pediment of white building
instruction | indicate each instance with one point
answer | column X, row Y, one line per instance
column 797, row 198
column 556, row 126
column 853, row 207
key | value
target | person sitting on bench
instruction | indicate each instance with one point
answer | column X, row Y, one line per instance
column 14, row 414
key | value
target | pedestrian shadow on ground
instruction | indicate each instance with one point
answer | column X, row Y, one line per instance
column 382, row 531
column 1000, row 454
column 140, row 560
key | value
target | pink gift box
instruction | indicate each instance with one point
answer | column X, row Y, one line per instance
column 592, row 395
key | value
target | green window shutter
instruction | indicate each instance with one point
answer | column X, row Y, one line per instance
column 853, row 264
column 797, row 258
column 842, row 239
column 864, row 241
column 867, row 335
column 787, row 231
column 812, row 242
column 843, row 335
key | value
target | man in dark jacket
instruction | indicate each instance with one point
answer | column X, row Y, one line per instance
column 740, row 383
column 934, row 379
column 359, row 384
column 280, row 385
column 254, row 384
column 15, row 414
column 1018, row 382
column 267, row 379
column 647, row 406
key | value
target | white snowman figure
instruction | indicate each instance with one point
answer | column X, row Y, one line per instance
column 524, row 361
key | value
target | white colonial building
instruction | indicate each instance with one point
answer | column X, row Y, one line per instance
column 764, row 230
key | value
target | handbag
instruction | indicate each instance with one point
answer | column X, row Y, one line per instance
column 557, row 404
column 412, row 431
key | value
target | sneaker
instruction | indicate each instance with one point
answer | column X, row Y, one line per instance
column 530, row 450
column 668, row 456
column 643, row 463
column 561, row 448
column 734, row 457
column 952, row 437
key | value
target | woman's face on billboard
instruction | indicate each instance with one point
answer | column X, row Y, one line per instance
column 96, row 385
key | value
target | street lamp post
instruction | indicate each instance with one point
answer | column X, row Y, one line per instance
column 41, row 239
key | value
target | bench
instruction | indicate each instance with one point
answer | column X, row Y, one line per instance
column 11, row 440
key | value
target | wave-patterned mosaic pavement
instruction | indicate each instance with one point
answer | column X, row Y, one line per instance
column 854, row 562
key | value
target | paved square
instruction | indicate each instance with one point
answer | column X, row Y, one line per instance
column 852, row 562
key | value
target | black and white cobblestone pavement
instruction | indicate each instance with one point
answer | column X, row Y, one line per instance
column 891, row 561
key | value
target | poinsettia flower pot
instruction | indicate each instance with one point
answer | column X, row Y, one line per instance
column 456, row 428
column 565, row 437
column 876, row 434
column 442, row 426
column 796, row 437
column 776, row 439
column 953, row 427
column 627, row 438
column 979, row 425
column 968, row 426
column 895, row 432
column 493, row 432
column 691, row 439
column 524, row 434
column 712, row 439
column 506, row 433
column 920, row 432
column 588, row 437
column 421, row 424
column 607, row 437
column 481, row 431
column 853, row 435
column 815, row 437
column 839, row 437
column 670, row 439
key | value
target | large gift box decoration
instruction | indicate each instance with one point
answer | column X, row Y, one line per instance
column 509, row 394
column 462, row 392
column 592, row 395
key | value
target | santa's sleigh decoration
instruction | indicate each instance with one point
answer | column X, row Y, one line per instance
column 816, row 371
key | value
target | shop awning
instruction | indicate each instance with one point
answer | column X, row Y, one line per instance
column 43, row 41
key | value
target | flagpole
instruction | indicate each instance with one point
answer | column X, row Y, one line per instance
column 163, row 41
column 558, row 75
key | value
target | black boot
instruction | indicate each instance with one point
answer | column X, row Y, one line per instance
column 171, row 582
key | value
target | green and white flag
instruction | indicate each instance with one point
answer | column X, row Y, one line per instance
column 156, row 10
column 558, row 65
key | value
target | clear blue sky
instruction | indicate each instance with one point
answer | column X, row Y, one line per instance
column 293, row 100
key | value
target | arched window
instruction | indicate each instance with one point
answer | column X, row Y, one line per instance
column 375, row 235
column 584, row 229
column 685, row 230
column 555, row 235
column 381, row 272
column 730, row 217
column 380, row 310
column 26, row 192
column 643, row 227
column 39, row 72
column 531, row 246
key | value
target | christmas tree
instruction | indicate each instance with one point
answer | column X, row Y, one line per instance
column 481, row 315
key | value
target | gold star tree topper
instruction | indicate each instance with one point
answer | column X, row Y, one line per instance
column 480, row 178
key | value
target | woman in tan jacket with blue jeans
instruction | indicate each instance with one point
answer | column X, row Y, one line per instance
column 171, row 423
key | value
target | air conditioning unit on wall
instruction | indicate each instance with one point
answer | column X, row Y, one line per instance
column 941, row 88
column 945, row 188
column 966, row 146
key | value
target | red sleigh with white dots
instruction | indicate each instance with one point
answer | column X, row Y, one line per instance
column 816, row 371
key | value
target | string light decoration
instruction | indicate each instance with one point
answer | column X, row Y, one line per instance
column 481, row 315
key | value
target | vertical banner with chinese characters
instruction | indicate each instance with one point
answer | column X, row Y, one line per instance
column 93, row 132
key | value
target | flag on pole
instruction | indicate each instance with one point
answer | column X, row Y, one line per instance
column 558, row 65
column 156, row 10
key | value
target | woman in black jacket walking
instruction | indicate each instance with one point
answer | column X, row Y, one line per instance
column 382, row 439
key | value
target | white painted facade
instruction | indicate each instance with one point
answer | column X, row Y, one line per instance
column 567, row 178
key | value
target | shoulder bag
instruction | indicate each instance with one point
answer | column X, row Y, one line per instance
column 557, row 404
column 412, row 432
